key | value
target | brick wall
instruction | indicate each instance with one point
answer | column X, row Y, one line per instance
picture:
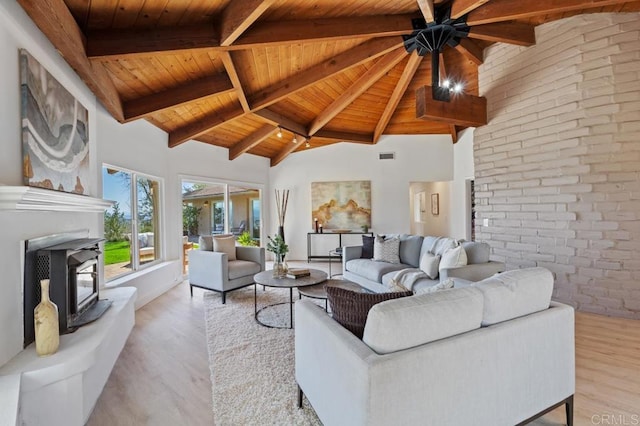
column 558, row 166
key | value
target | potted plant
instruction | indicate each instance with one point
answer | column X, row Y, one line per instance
column 279, row 248
column 365, row 228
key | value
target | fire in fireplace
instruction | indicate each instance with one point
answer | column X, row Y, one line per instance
column 72, row 269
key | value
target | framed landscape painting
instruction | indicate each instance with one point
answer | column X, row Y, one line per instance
column 55, row 131
column 341, row 205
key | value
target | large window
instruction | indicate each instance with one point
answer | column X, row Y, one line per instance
column 132, row 226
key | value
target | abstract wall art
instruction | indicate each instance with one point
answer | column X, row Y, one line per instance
column 55, row 131
column 341, row 205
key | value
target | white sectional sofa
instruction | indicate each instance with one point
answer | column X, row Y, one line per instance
column 498, row 352
column 375, row 275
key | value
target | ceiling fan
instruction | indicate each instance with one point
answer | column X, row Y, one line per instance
column 432, row 37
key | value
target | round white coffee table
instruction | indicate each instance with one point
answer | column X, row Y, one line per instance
column 266, row 279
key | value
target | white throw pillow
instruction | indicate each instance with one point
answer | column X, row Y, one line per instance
column 453, row 258
column 442, row 285
column 429, row 263
column 386, row 250
column 225, row 245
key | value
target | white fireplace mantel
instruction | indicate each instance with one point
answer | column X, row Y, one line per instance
column 30, row 198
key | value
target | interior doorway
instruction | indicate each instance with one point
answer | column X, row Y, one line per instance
column 429, row 207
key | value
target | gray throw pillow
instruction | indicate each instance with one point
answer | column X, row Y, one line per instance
column 410, row 249
column 386, row 249
column 205, row 242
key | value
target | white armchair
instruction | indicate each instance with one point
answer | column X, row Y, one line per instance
column 213, row 271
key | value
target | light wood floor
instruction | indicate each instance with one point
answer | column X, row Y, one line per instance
column 162, row 375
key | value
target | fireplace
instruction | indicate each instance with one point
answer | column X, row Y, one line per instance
column 72, row 269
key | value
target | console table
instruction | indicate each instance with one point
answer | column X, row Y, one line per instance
column 311, row 235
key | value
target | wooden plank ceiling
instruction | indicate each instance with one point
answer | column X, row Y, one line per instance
column 251, row 75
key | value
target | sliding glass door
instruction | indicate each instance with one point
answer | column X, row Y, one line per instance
column 221, row 208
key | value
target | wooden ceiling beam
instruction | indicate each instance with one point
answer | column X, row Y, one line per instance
column 362, row 53
column 345, row 136
column 288, row 149
column 401, row 87
column 230, row 67
column 471, row 51
column 250, row 141
column 508, row 10
column 238, row 16
column 197, row 128
column 282, row 121
column 54, row 19
column 461, row 110
column 188, row 92
column 119, row 43
column 427, row 9
column 462, row 7
column 282, row 32
column 505, row 32
column 454, row 133
column 380, row 68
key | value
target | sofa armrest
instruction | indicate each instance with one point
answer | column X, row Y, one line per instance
column 209, row 269
column 475, row 272
column 252, row 254
column 350, row 253
column 331, row 366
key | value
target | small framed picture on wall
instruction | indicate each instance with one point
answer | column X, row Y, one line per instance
column 435, row 204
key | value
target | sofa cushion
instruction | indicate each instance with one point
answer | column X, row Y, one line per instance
column 412, row 321
column 476, row 252
column 442, row 285
column 410, row 249
column 429, row 263
column 453, row 258
column 515, row 293
column 205, row 242
column 350, row 308
column 372, row 270
column 242, row 268
column 386, row 249
column 226, row 245
column 367, row 247
column 437, row 245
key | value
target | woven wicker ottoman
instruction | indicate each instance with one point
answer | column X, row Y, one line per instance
column 318, row 291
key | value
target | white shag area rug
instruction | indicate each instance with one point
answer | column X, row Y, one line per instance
column 252, row 367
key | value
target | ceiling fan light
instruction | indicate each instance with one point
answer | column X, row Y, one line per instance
column 294, row 140
column 307, row 145
column 457, row 88
column 279, row 134
column 446, row 83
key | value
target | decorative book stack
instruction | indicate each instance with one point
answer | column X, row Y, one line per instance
column 298, row 273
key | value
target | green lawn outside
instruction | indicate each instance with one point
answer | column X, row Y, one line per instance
column 116, row 252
